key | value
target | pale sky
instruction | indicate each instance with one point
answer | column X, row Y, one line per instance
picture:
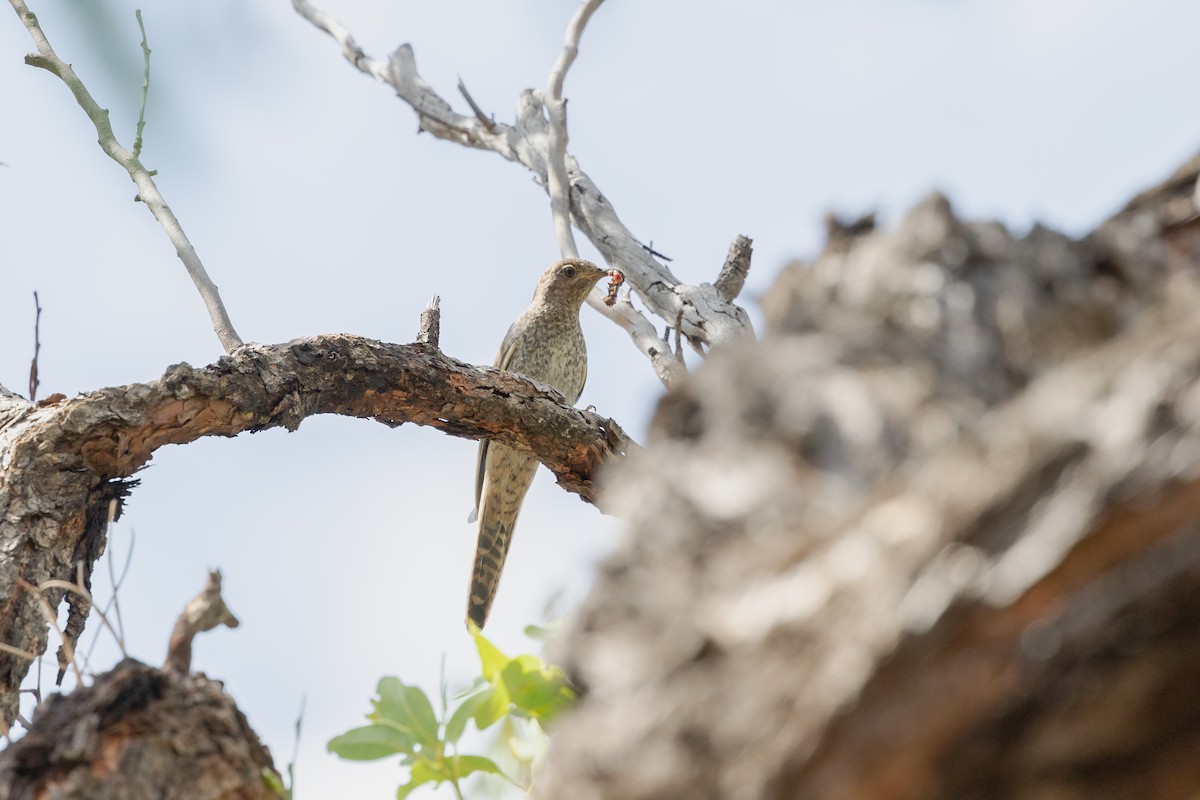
column 317, row 209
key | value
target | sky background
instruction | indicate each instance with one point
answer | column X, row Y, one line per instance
column 317, row 209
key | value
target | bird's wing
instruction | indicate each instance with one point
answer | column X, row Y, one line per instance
column 503, row 359
column 507, row 348
column 582, row 381
column 480, row 471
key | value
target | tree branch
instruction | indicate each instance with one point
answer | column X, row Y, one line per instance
column 707, row 316
column 203, row 612
column 66, row 461
column 737, row 264
column 431, row 323
column 148, row 192
column 557, row 183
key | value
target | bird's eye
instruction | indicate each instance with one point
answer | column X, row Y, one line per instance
column 568, row 271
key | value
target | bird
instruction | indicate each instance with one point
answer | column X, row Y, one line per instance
column 545, row 344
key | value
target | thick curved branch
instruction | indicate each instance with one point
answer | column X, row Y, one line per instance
column 706, row 315
column 148, row 192
column 61, row 463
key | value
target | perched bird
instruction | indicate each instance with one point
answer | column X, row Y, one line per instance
column 546, row 344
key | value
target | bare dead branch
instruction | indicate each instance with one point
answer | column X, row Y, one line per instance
column 37, row 349
column 204, row 612
column 678, row 335
column 737, row 264
column 527, row 141
column 488, row 122
column 558, row 184
column 649, row 248
column 431, row 322
column 148, row 192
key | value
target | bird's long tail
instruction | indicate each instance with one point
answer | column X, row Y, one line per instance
column 490, row 551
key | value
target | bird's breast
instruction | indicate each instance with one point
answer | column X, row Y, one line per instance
column 555, row 355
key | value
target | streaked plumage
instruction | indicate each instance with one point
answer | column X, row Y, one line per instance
column 546, row 344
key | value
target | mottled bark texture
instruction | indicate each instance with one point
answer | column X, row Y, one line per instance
column 937, row 535
column 62, row 461
column 138, row 733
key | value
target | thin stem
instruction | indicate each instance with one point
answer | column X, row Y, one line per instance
column 141, row 124
column 148, row 192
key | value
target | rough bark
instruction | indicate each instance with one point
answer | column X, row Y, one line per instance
column 63, row 461
column 138, row 733
column 938, row 535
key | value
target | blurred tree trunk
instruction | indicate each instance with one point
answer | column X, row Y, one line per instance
column 139, row 733
column 937, row 535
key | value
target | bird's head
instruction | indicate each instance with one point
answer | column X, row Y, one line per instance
column 568, row 282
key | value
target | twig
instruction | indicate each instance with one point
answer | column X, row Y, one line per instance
column 350, row 49
column 291, row 767
column 48, row 60
column 732, row 277
column 488, row 122
column 141, row 123
column 649, row 248
column 114, row 507
column 116, row 583
column 52, row 618
column 558, row 182
column 79, row 589
column 431, row 322
column 37, row 348
column 16, row 651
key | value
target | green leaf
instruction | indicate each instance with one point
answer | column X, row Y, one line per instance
column 458, row 720
column 407, row 709
column 466, row 765
column 465, row 712
column 493, row 705
column 485, row 707
column 422, row 773
column 537, row 689
column 491, row 660
column 369, row 743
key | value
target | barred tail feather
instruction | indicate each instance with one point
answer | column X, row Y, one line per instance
column 490, row 552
